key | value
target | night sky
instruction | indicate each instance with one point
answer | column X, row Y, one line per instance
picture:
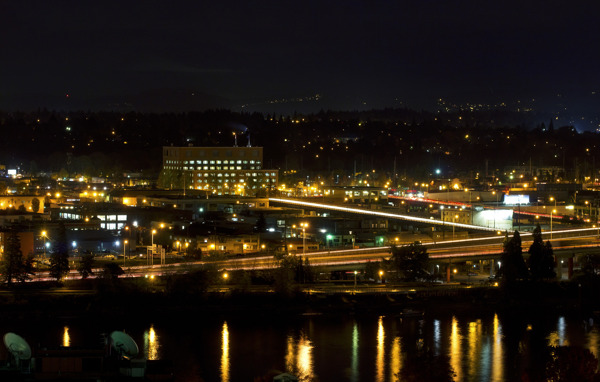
column 249, row 54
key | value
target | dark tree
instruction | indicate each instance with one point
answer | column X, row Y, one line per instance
column 541, row 257
column 513, row 265
column 35, row 205
column 12, row 261
column 590, row 264
column 59, row 259
column 112, row 271
column 410, row 261
column 86, row 265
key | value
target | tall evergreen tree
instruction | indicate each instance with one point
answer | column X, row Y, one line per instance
column 59, row 260
column 513, row 265
column 410, row 260
column 541, row 257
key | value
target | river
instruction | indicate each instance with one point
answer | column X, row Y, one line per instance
column 478, row 347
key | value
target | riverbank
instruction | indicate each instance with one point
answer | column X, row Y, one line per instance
column 127, row 298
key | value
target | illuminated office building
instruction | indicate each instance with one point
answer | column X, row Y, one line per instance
column 221, row 170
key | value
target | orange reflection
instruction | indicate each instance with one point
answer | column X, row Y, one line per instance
column 225, row 353
column 474, row 345
column 455, row 352
column 497, row 371
column 380, row 361
column 396, row 360
column 66, row 337
column 299, row 357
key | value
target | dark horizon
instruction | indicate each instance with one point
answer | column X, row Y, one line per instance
column 284, row 57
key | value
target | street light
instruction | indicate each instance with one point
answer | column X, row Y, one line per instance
column 304, row 226
column 551, row 212
column 590, row 213
column 381, row 276
column 355, row 273
column 44, row 235
column 124, row 245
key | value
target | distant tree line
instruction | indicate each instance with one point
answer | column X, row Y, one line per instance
column 330, row 145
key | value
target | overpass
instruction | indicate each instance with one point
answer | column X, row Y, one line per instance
column 334, row 207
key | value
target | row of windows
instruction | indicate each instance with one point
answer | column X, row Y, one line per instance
column 112, row 226
column 233, row 174
column 233, row 180
column 218, row 168
column 219, row 187
column 213, row 162
column 121, row 218
column 223, row 168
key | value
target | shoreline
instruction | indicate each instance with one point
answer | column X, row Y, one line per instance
column 131, row 303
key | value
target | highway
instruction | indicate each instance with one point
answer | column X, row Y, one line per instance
column 480, row 248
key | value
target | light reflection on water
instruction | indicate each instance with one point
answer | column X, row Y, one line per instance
column 351, row 349
column 380, row 361
column 497, row 353
column 557, row 338
column 151, row 345
column 395, row 360
column 225, row 353
column 66, row 337
column 354, row 369
column 455, row 349
column 299, row 357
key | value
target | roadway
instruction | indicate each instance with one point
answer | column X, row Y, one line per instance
column 564, row 242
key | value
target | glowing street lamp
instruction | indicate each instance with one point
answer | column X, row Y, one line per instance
column 124, row 245
column 45, row 236
column 551, row 212
column 304, row 226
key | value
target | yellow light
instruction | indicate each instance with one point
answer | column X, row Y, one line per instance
column 225, row 275
column 58, row 194
column 455, row 270
column 162, row 225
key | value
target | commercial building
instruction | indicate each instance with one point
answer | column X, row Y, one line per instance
column 221, row 170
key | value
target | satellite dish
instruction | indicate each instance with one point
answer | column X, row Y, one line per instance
column 17, row 346
column 124, row 344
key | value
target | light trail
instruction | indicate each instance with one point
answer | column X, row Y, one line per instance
column 383, row 214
